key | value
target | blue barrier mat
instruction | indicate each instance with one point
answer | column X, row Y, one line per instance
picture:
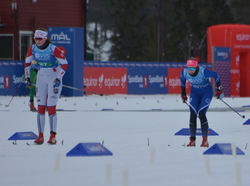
column 244, row 106
column 107, row 109
column 89, row 149
column 23, row 136
column 186, row 132
column 223, row 149
column 247, row 122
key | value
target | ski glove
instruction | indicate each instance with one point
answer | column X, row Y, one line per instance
column 28, row 82
column 56, row 85
column 219, row 93
column 184, row 98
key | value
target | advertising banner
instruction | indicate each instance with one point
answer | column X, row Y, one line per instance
column 105, row 80
column 174, row 81
column 12, row 78
column 146, row 78
column 222, row 65
column 71, row 39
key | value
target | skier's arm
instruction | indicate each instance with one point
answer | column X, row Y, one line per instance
column 60, row 56
column 183, row 83
column 28, row 62
column 212, row 74
column 219, row 89
column 183, row 87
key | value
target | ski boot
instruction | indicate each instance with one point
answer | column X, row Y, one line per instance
column 52, row 139
column 191, row 142
column 40, row 139
column 32, row 107
column 204, row 142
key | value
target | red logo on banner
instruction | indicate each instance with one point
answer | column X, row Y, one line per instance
column 165, row 81
column 174, row 81
column 145, row 81
column 6, row 82
column 105, row 80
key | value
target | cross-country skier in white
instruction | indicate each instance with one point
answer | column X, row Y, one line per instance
column 51, row 64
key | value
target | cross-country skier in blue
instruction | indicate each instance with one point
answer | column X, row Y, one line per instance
column 200, row 97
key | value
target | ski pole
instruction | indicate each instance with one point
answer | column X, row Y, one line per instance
column 85, row 91
column 74, row 88
column 14, row 94
column 187, row 104
column 91, row 92
column 243, row 116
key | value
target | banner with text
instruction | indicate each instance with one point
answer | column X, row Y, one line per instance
column 174, row 81
column 70, row 39
column 12, row 78
column 222, row 65
column 147, row 79
column 105, row 80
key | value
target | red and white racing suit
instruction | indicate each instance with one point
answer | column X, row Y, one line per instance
column 51, row 64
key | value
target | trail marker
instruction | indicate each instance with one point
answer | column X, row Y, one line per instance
column 186, row 132
column 223, row 149
column 89, row 149
column 23, row 136
column 247, row 122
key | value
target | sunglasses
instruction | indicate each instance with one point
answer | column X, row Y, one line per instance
column 191, row 68
column 38, row 39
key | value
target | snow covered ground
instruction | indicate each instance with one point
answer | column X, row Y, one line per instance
column 140, row 133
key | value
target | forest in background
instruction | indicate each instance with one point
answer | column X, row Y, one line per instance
column 157, row 30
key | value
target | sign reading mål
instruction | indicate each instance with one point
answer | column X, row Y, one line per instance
column 71, row 39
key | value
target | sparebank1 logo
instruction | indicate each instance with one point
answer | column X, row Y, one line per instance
column 145, row 81
column 61, row 38
column 223, row 54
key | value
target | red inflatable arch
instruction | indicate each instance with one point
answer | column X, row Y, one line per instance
column 236, row 37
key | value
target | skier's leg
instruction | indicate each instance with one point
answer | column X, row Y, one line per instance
column 192, row 124
column 41, row 100
column 53, row 97
column 33, row 74
column 192, row 127
column 53, row 124
column 205, row 102
column 194, row 102
column 204, row 122
column 40, row 124
column 204, row 127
